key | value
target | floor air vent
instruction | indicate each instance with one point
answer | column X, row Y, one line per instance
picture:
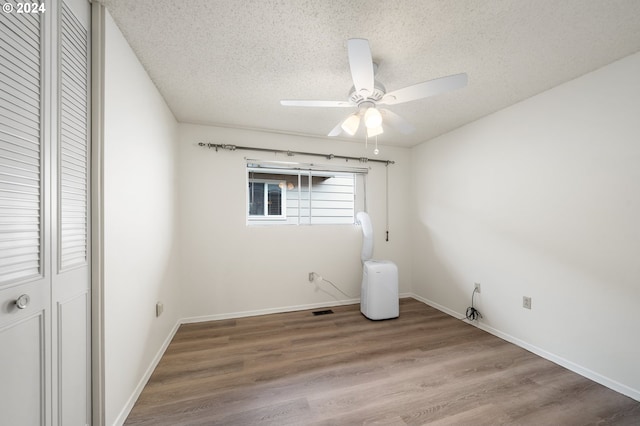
column 325, row 312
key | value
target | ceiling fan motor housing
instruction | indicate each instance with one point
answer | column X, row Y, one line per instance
column 358, row 98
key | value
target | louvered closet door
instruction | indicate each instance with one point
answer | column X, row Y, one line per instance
column 71, row 276
column 25, row 343
column 44, row 215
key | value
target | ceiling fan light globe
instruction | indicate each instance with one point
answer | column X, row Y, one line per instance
column 351, row 124
column 372, row 118
column 374, row 131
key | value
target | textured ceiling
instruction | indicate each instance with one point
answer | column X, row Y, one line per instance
column 228, row 63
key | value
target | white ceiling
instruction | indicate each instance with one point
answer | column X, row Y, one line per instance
column 229, row 62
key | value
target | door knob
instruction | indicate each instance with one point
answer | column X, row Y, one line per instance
column 23, row 301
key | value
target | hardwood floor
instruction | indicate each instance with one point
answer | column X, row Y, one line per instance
column 342, row 369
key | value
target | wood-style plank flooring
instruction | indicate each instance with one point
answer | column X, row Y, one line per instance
column 342, row 369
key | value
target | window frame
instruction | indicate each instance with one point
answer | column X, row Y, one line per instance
column 299, row 171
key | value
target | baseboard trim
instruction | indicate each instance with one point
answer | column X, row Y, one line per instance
column 126, row 410
column 243, row 314
column 576, row 368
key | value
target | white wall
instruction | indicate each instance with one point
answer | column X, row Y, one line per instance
column 542, row 200
column 230, row 269
column 139, row 227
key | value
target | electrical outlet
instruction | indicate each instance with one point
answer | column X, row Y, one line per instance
column 311, row 276
column 477, row 287
column 159, row 309
column 526, row 302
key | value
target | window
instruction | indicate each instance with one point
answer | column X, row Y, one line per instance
column 267, row 199
column 299, row 194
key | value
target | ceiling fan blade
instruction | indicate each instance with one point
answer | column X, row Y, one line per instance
column 331, row 104
column 397, row 122
column 336, row 130
column 361, row 65
column 425, row 89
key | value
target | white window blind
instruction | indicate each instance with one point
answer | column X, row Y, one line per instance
column 74, row 133
column 20, row 147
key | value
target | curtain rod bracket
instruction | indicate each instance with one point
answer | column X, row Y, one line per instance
column 216, row 146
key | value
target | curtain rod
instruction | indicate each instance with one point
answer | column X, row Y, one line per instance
column 292, row 153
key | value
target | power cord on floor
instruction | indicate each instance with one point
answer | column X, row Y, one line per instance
column 318, row 277
column 472, row 313
column 336, row 287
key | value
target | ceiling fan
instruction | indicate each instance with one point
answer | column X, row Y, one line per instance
column 367, row 94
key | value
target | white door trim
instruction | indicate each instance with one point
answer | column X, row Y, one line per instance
column 97, row 212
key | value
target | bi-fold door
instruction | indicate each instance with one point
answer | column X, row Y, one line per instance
column 44, row 213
